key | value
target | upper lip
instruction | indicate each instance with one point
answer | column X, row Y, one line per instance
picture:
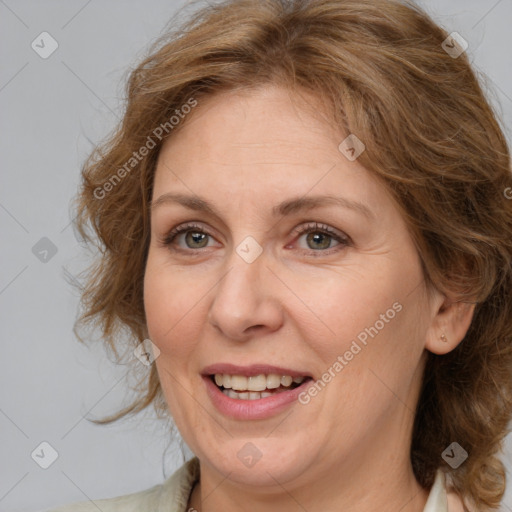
column 251, row 370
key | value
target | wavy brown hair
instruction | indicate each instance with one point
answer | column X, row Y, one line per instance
column 431, row 138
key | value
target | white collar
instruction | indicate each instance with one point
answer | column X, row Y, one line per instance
column 437, row 499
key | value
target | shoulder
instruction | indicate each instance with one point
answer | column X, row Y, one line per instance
column 127, row 503
column 174, row 491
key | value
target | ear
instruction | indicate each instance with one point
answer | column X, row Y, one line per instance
column 449, row 325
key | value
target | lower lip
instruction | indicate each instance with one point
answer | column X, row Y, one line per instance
column 252, row 409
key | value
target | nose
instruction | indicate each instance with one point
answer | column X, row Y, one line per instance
column 246, row 300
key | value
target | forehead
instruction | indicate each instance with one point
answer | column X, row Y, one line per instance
column 250, row 123
column 269, row 127
column 261, row 146
column 245, row 160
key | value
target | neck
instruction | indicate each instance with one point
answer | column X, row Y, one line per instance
column 387, row 488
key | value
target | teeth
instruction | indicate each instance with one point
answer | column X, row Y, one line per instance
column 286, row 380
column 255, row 383
column 253, row 395
column 239, row 382
column 226, row 380
column 273, row 381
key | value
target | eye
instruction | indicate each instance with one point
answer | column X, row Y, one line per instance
column 194, row 236
column 320, row 238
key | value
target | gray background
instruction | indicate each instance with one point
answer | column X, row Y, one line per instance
column 52, row 111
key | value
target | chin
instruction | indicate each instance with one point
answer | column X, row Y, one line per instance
column 258, row 461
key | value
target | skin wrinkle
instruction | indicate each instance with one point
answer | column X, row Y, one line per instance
column 354, row 436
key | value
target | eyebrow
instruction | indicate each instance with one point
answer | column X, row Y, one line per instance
column 285, row 208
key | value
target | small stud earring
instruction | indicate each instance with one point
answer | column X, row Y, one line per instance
column 443, row 338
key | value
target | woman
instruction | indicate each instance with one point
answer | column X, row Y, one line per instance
column 305, row 210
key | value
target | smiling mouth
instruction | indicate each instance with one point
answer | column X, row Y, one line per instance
column 256, row 387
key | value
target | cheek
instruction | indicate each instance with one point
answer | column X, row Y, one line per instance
column 368, row 316
column 172, row 307
column 334, row 311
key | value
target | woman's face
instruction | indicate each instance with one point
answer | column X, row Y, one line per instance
column 242, row 292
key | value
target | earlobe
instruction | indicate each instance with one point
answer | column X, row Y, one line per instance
column 449, row 326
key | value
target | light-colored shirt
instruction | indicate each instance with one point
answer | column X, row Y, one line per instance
column 173, row 496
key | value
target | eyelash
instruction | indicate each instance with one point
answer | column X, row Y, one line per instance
column 312, row 227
